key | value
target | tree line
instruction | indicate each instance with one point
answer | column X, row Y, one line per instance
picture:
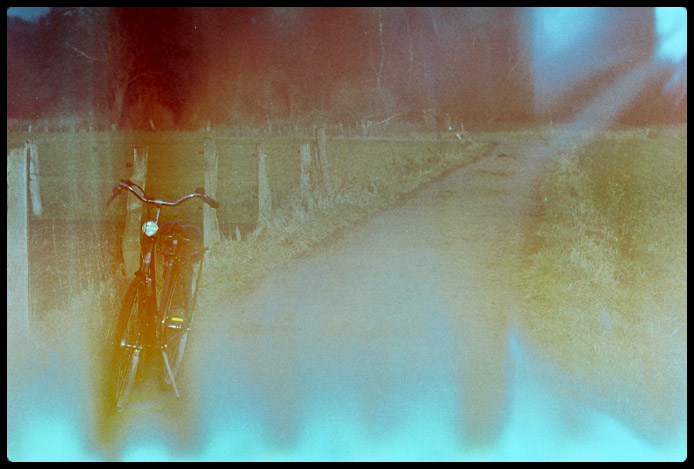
column 182, row 68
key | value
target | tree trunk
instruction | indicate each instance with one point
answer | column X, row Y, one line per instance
column 411, row 55
column 117, row 111
column 379, row 75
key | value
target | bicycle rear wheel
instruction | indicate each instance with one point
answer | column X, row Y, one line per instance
column 175, row 318
column 128, row 342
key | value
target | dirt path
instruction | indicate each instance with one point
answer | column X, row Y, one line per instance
column 396, row 340
column 411, row 307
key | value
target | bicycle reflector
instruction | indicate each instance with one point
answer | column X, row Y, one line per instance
column 150, row 228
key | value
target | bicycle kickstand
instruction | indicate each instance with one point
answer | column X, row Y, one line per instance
column 168, row 369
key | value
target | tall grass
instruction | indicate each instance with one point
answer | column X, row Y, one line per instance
column 607, row 285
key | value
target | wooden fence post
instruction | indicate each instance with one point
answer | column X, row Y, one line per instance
column 264, row 197
column 17, row 246
column 32, row 150
column 133, row 216
column 210, row 225
column 323, row 157
column 305, row 168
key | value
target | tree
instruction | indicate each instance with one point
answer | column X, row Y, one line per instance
column 103, row 41
column 119, row 55
column 23, row 69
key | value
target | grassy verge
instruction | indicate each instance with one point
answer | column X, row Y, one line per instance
column 607, row 286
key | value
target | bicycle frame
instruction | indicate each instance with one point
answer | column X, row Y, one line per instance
column 147, row 271
column 153, row 321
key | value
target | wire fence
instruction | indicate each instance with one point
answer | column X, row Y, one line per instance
column 76, row 240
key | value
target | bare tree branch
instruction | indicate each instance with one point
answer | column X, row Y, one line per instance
column 82, row 53
column 379, row 76
column 385, row 121
column 131, row 80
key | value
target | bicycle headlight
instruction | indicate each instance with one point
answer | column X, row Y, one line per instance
column 150, row 228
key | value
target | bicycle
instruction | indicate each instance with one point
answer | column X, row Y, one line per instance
column 142, row 325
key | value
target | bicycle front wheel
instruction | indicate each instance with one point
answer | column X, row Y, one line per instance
column 175, row 319
column 128, row 342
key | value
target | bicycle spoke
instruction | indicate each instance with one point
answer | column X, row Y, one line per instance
column 127, row 380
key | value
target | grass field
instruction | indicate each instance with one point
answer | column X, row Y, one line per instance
column 607, row 283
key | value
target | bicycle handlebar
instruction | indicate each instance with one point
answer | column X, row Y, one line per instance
column 140, row 194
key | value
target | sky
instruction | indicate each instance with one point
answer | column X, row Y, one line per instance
column 28, row 13
column 577, row 38
column 671, row 27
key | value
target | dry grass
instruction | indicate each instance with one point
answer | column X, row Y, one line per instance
column 607, row 286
